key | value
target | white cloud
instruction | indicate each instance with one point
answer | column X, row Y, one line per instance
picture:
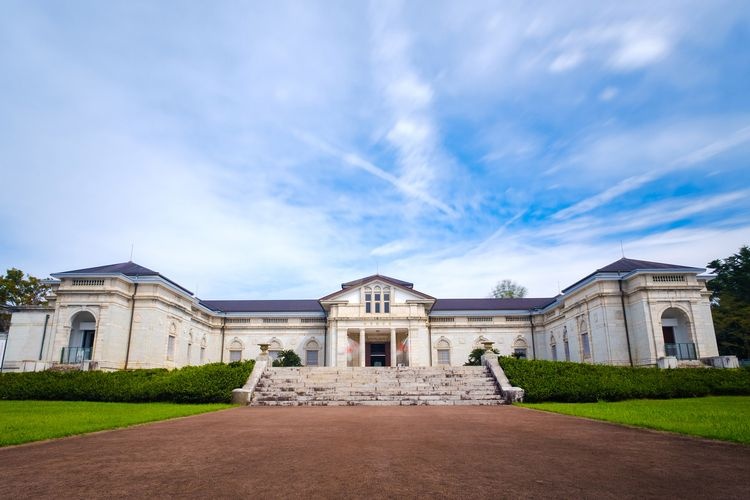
column 608, row 94
column 639, row 46
column 393, row 248
column 566, row 61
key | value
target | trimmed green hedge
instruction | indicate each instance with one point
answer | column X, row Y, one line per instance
column 211, row 383
column 578, row 382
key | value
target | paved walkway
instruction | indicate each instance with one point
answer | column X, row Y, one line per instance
column 393, row 452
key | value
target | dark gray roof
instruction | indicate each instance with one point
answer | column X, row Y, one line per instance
column 388, row 279
column 626, row 265
column 126, row 268
column 263, row 306
column 491, row 304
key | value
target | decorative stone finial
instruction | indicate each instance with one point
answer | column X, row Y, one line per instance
column 488, row 346
column 264, row 348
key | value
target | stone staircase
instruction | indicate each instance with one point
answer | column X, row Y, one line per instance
column 407, row 386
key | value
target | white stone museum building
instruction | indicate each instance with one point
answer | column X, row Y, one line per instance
column 630, row 312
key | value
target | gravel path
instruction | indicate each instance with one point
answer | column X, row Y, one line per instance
column 391, row 452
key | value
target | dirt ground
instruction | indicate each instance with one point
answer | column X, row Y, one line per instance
column 390, row 452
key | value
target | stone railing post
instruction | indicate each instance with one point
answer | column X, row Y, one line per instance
column 244, row 395
column 510, row 394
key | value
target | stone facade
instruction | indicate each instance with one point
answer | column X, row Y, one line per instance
column 126, row 316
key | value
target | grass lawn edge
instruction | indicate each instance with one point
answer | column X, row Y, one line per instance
column 741, row 440
column 210, row 408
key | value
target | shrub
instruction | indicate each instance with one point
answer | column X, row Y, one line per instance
column 578, row 382
column 212, row 383
column 475, row 356
column 287, row 358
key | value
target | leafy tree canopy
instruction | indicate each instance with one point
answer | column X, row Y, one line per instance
column 17, row 290
column 475, row 356
column 731, row 302
column 287, row 358
column 508, row 289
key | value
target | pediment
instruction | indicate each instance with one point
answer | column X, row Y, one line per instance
column 352, row 290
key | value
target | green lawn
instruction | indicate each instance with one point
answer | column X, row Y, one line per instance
column 721, row 417
column 25, row 421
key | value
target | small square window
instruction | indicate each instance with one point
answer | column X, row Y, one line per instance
column 235, row 356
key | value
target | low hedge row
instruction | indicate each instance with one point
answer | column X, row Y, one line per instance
column 579, row 382
column 211, row 383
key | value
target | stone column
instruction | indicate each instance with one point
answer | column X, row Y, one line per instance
column 393, row 347
column 361, row 347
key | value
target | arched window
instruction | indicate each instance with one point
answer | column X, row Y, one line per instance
column 312, row 353
column 377, row 299
column 81, row 341
column 235, row 350
column 274, row 348
column 565, row 343
column 677, row 335
column 553, row 347
column 387, row 299
column 520, row 348
column 368, row 300
column 443, row 352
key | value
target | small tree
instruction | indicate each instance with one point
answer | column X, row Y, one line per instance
column 287, row 358
column 475, row 356
column 17, row 290
column 508, row 289
column 730, row 303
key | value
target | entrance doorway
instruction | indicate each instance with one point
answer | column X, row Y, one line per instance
column 378, row 354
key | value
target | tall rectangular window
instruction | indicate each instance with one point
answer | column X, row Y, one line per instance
column 386, row 302
column 170, row 347
column 203, row 355
column 311, row 358
column 377, row 307
column 554, row 352
column 585, row 345
column 368, row 302
column 444, row 356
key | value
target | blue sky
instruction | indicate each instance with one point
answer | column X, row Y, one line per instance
column 274, row 150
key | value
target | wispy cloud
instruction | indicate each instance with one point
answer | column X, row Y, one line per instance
column 630, row 184
column 417, row 192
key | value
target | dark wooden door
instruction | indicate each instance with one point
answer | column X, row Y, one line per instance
column 668, row 332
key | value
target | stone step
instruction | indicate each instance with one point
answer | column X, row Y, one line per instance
column 328, row 394
column 405, row 402
column 380, row 397
column 381, row 386
column 485, row 384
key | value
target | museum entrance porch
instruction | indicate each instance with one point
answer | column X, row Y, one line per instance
column 377, row 347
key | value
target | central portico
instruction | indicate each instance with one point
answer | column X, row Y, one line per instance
column 377, row 321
